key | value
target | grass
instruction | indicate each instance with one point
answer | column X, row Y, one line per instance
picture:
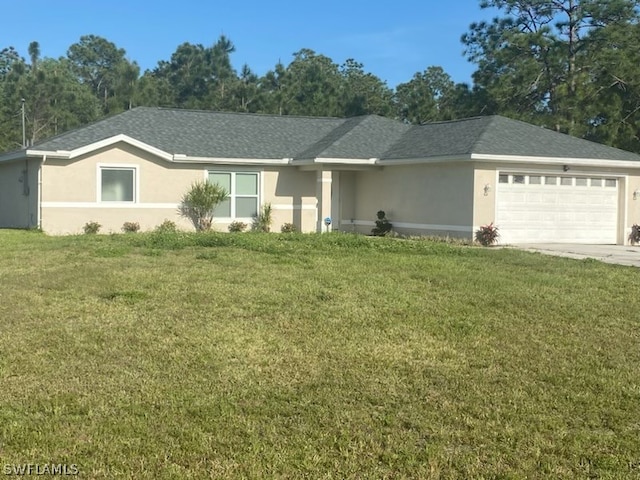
column 315, row 356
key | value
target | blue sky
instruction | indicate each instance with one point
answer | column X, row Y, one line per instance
column 393, row 40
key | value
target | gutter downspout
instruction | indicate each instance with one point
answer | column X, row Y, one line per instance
column 44, row 159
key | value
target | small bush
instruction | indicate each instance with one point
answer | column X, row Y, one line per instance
column 262, row 221
column 634, row 236
column 288, row 228
column 487, row 235
column 91, row 228
column 383, row 226
column 237, row 226
column 199, row 203
column 130, row 227
column 166, row 227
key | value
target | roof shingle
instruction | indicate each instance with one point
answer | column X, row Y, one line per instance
column 257, row 136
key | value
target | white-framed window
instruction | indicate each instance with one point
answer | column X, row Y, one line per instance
column 243, row 188
column 117, row 183
column 581, row 182
column 535, row 179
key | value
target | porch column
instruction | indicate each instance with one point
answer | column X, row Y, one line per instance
column 323, row 195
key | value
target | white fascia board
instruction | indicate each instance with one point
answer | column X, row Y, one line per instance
column 31, row 153
column 120, row 138
column 181, row 158
column 584, row 162
column 347, row 161
column 49, row 153
column 439, row 159
column 70, row 154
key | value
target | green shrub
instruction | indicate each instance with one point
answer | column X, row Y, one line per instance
column 487, row 235
column 262, row 221
column 130, row 227
column 288, row 228
column 199, row 203
column 166, row 227
column 91, row 228
column 383, row 226
column 237, row 226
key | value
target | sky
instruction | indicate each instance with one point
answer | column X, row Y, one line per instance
column 394, row 40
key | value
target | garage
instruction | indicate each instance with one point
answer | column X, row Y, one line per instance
column 556, row 208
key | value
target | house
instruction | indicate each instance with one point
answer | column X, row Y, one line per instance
column 445, row 178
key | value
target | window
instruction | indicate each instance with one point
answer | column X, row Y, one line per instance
column 117, row 184
column 534, row 180
column 503, row 178
column 243, row 194
column 581, row 182
column 610, row 182
column 596, row 182
column 518, row 179
column 550, row 180
column 566, row 181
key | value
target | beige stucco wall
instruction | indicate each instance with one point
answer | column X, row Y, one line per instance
column 347, row 204
column 423, row 199
column 19, row 205
column 70, row 192
column 484, row 204
column 291, row 192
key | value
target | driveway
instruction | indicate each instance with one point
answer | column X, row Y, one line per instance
column 619, row 254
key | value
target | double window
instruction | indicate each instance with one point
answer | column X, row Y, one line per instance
column 117, row 184
column 243, row 194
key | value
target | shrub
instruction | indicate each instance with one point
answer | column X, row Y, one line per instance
column 130, row 227
column 383, row 226
column 237, row 226
column 262, row 221
column 288, row 228
column 199, row 203
column 487, row 235
column 91, row 228
column 166, row 227
column 634, row 236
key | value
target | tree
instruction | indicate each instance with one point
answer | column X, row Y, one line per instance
column 199, row 203
column 198, row 76
column 272, row 89
column 311, row 85
column 426, row 97
column 100, row 64
column 363, row 93
column 54, row 100
column 535, row 60
column 614, row 103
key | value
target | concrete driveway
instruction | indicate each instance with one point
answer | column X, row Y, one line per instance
column 619, row 254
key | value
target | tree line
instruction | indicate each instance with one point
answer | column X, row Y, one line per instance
column 569, row 65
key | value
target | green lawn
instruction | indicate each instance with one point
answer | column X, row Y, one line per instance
column 317, row 356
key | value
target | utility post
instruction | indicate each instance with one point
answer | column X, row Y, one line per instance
column 24, row 131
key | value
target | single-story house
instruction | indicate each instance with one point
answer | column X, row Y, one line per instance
column 445, row 178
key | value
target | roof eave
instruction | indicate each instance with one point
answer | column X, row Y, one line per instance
column 92, row 147
column 434, row 159
column 13, row 156
column 182, row 158
column 583, row 162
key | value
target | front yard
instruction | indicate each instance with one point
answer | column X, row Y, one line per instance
column 317, row 356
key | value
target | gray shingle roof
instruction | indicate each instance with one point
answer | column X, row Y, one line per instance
column 496, row 135
column 254, row 136
column 362, row 137
column 204, row 134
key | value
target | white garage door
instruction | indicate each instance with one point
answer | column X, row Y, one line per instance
column 556, row 209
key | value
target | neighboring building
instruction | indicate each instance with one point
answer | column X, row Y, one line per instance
column 445, row 178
